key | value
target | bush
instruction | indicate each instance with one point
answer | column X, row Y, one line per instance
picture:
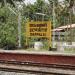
column 9, row 46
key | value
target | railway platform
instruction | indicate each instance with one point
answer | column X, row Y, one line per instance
column 43, row 61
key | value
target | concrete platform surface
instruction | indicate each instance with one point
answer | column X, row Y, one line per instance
column 39, row 52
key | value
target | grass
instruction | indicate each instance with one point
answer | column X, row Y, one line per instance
column 32, row 49
column 69, row 50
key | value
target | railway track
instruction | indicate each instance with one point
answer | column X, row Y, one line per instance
column 37, row 68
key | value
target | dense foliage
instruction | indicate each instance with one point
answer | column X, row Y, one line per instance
column 8, row 27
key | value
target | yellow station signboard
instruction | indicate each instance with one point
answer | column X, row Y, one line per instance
column 39, row 29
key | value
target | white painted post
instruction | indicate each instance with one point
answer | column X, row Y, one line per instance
column 53, row 38
column 19, row 30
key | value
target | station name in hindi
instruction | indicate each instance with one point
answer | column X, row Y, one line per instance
column 40, row 29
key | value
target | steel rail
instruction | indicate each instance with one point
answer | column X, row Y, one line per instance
column 55, row 65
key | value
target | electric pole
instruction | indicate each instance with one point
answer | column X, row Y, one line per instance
column 54, row 22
